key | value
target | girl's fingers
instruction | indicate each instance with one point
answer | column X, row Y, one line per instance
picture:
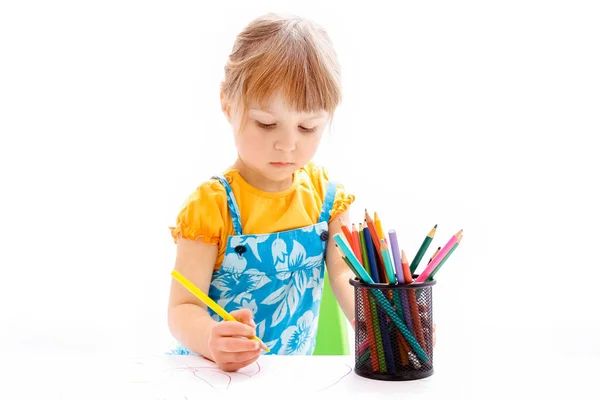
column 244, row 316
column 236, row 344
column 231, row 367
column 237, row 357
column 233, row 328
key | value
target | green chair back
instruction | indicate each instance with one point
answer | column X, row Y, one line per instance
column 332, row 331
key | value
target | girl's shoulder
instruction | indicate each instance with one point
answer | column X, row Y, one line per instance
column 202, row 213
column 316, row 177
column 317, row 180
column 314, row 174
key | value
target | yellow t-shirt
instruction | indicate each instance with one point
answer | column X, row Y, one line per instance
column 205, row 214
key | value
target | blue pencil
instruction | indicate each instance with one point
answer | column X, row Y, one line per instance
column 371, row 254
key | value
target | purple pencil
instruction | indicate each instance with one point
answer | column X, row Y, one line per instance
column 396, row 255
column 400, row 277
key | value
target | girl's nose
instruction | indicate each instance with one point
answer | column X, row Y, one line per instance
column 286, row 141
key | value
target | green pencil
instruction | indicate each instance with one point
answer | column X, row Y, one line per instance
column 363, row 249
column 430, row 277
column 422, row 250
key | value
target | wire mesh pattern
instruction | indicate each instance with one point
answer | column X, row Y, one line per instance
column 393, row 330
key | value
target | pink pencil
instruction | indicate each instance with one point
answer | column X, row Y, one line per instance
column 439, row 257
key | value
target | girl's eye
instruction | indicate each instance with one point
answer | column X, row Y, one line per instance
column 308, row 130
column 265, row 126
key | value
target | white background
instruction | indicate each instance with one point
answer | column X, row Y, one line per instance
column 470, row 115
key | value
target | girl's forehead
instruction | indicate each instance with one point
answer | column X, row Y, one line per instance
column 277, row 105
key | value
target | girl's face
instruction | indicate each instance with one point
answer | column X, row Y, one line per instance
column 275, row 141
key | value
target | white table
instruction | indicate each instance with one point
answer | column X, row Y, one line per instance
column 187, row 377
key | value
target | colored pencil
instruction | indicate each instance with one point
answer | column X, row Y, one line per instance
column 363, row 249
column 389, row 266
column 375, row 312
column 358, row 269
column 396, row 254
column 412, row 303
column 422, row 249
column 400, row 277
column 434, row 254
column 209, row 302
column 444, row 260
column 396, row 294
column 356, row 243
column 371, row 254
column 375, row 237
column 370, row 330
column 437, row 259
column 378, row 226
column 414, row 344
column 346, row 231
column 406, row 268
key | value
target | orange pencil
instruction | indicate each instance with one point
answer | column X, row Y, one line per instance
column 346, row 232
column 356, row 243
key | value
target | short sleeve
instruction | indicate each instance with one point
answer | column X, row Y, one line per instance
column 320, row 178
column 202, row 214
column 341, row 203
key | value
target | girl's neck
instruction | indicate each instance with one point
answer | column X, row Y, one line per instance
column 259, row 181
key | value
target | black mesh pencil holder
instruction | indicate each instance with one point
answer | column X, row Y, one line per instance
column 393, row 330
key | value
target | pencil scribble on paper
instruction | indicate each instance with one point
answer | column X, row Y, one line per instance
column 183, row 375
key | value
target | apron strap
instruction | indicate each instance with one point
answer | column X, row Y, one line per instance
column 328, row 202
column 233, row 207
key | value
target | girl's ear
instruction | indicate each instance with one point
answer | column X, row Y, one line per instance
column 226, row 107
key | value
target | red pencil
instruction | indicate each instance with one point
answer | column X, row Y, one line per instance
column 406, row 268
column 356, row 243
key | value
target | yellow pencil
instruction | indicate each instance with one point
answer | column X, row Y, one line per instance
column 378, row 226
column 209, row 302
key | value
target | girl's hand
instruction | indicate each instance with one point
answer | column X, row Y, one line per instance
column 229, row 342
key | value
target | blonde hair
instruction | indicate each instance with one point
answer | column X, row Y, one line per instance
column 288, row 54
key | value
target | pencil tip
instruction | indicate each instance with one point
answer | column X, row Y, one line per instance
column 435, row 226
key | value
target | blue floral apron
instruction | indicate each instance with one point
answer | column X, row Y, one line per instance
column 278, row 276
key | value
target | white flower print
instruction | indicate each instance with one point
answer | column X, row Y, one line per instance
column 308, row 229
column 233, row 263
column 297, row 338
column 236, row 287
column 302, row 266
column 279, row 296
column 279, row 253
column 250, row 305
column 302, row 270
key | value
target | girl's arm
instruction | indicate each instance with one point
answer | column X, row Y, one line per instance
column 339, row 273
column 189, row 321
column 223, row 342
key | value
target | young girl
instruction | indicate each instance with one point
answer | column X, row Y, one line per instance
column 258, row 237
